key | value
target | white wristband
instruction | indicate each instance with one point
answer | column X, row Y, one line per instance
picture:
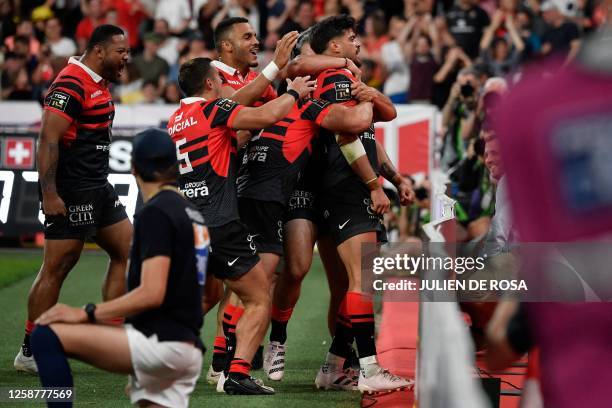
column 270, row 71
column 352, row 151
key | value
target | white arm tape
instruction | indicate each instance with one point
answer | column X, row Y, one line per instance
column 352, row 151
column 270, row 71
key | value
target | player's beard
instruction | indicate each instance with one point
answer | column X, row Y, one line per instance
column 110, row 71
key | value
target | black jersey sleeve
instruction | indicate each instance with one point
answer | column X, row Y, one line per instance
column 315, row 110
column 224, row 112
column 156, row 233
column 66, row 99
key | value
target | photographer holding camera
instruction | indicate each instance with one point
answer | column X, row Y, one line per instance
column 458, row 117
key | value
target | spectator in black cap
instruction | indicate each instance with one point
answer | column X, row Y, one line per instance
column 159, row 346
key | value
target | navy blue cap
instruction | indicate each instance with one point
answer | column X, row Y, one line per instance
column 153, row 150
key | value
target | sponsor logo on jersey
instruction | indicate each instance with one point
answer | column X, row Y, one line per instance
column 97, row 93
column 343, row 90
column 58, row 100
column 81, row 214
column 225, row 104
column 181, row 125
column 195, row 190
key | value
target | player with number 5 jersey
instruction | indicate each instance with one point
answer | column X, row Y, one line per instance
column 206, row 148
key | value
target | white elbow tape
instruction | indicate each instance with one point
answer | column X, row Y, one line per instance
column 270, row 71
column 352, row 151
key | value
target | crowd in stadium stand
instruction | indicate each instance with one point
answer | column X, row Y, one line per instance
column 416, row 51
column 412, row 50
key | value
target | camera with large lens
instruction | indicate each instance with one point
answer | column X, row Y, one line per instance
column 467, row 90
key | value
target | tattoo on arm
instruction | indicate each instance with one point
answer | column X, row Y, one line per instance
column 48, row 167
column 387, row 170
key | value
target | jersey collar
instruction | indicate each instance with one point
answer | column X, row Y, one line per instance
column 192, row 99
column 225, row 68
column 76, row 61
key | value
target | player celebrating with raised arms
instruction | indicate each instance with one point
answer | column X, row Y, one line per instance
column 206, row 147
column 72, row 160
column 160, row 347
column 237, row 45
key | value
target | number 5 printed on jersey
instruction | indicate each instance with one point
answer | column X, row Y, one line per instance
column 186, row 166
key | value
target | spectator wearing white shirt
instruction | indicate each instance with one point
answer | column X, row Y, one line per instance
column 398, row 74
column 177, row 13
column 60, row 46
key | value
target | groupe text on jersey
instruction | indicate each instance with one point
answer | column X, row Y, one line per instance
column 82, row 97
column 206, row 150
column 334, row 85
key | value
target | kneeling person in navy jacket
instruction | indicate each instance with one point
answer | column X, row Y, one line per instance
column 159, row 346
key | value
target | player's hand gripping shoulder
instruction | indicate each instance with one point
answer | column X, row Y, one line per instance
column 362, row 92
column 384, row 110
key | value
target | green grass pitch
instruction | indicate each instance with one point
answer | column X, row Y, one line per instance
column 308, row 341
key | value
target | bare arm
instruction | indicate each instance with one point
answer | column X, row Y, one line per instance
column 500, row 354
column 447, row 67
column 273, row 111
column 250, row 93
column 315, row 64
column 389, row 172
column 47, row 157
column 363, row 169
column 148, row 295
column 348, row 119
column 519, row 45
column 489, row 32
column 384, row 110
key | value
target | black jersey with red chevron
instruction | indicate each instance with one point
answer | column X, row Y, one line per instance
column 279, row 153
column 81, row 97
column 334, row 85
column 206, row 150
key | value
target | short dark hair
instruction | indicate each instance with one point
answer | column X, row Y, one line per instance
column 328, row 29
column 103, row 34
column 192, row 75
column 223, row 28
column 303, row 38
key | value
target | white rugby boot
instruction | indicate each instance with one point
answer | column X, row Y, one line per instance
column 382, row 381
column 274, row 361
column 212, row 376
column 24, row 363
column 333, row 378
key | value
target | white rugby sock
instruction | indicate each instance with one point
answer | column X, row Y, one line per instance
column 369, row 366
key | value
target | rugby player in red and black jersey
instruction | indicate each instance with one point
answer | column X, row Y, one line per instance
column 347, row 208
column 237, row 45
column 72, row 160
column 276, row 158
column 206, row 148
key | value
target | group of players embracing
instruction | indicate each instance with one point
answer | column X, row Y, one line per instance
column 269, row 174
column 309, row 174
